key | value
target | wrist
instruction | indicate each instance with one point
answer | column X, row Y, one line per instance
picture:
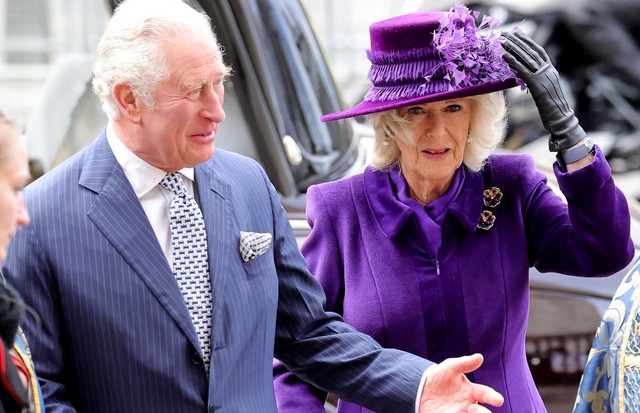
column 575, row 153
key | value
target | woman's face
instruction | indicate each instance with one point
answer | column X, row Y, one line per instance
column 14, row 174
column 441, row 131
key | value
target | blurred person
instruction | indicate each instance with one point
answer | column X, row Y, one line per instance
column 19, row 391
column 610, row 32
column 611, row 376
column 429, row 249
column 36, row 169
column 168, row 276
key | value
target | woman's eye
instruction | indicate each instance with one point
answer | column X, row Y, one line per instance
column 416, row 110
column 453, row 108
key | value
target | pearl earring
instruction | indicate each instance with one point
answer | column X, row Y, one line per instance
column 469, row 140
column 387, row 133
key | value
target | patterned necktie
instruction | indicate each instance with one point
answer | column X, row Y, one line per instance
column 190, row 258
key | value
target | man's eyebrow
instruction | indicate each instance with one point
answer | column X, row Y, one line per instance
column 192, row 84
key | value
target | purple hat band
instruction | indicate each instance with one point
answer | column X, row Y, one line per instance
column 404, row 74
column 427, row 57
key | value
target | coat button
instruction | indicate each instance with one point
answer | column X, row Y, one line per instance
column 213, row 409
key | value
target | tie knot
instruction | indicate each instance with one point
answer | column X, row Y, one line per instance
column 174, row 183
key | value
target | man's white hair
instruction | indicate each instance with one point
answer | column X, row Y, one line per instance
column 131, row 48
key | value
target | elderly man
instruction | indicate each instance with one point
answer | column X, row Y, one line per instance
column 168, row 277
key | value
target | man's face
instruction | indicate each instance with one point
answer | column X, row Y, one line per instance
column 180, row 130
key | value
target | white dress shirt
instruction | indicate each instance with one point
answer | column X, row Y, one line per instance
column 145, row 179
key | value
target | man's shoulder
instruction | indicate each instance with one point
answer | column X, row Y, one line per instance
column 224, row 155
column 61, row 185
column 68, row 169
column 242, row 173
column 232, row 162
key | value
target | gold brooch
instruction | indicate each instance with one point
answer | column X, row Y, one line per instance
column 487, row 219
column 492, row 197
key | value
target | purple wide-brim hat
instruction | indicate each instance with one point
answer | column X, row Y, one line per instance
column 431, row 56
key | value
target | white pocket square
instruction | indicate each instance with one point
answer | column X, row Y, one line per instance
column 253, row 244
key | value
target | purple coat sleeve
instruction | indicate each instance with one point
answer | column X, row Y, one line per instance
column 593, row 238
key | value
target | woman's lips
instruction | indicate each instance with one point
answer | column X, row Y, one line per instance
column 435, row 153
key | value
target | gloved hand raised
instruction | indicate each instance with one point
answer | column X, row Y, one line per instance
column 530, row 61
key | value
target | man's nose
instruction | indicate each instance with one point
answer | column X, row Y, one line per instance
column 212, row 102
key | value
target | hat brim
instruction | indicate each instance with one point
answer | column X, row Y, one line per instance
column 370, row 107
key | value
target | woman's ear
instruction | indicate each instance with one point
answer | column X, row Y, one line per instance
column 126, row 101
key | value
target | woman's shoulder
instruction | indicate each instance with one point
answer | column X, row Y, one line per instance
column 509, row 160
column 337, row 188
column 510, row 165
column 512, row 170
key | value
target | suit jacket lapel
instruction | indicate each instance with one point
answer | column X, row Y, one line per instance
column 222, row 237
column 118, row 214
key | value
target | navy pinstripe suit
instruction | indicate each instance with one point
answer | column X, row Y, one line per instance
column 115, row 334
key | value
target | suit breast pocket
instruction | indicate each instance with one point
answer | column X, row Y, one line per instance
column 259, row 266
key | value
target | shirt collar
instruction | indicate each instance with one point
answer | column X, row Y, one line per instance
column 142, row 175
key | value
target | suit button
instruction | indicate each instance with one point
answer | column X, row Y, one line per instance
column 213, row 409
column 196, row 359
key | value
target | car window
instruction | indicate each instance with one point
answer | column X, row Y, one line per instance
column 284, row 86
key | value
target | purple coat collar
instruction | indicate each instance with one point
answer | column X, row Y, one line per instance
column 392, row 215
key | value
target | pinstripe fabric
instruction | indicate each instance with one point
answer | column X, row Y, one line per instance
column 116, row 334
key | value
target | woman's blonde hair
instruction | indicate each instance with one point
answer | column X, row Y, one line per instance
column 487, row 128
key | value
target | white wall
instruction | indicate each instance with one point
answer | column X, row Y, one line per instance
column 58, row 27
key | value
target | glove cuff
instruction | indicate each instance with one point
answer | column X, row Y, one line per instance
column 565, row 134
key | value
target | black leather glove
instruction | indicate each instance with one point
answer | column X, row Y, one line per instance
column 530, row 61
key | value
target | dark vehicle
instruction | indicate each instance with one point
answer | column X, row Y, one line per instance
column 606, row 105
column 279, row 88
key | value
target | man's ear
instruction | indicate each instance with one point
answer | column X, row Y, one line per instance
column 127, row 102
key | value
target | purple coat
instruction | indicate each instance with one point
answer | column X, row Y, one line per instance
column 370, row 254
